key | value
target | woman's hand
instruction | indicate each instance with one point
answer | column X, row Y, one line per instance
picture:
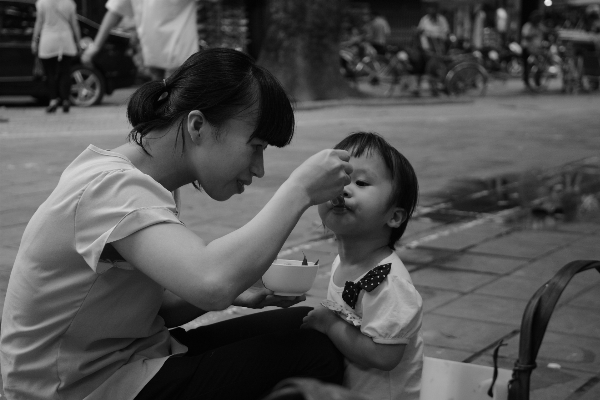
column 319, row 319
column 260, row 297
column 88, row 54
column 323, row 176
column 34, row 47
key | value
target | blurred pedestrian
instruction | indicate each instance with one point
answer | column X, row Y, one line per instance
column 55, row 41
column 532, row 34
column 166, row 29
column 478, row 25
column 434, row 30
column 378, row 31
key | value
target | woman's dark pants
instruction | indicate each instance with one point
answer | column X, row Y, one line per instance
column 57, row 76
column 243, row 358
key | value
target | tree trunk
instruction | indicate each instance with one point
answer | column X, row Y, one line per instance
column 301, row 48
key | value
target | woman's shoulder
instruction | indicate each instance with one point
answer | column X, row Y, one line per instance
column 100, row 168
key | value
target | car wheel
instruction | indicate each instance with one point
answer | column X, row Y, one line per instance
column 87, row 86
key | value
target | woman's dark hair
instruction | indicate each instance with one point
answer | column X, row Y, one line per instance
column 221, row 83
column 405, row 187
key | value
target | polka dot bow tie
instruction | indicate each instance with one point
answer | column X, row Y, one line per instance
column 369, row 282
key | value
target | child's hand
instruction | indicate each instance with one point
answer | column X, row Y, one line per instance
column 323, row 176
column 319, row 319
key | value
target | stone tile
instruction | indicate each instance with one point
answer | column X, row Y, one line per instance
column 450, row 279
column 462, row 239
column 10, row 237
column 579, row 227
column 576, row 321
column 522, row 288
column 433, row 298
column 462, row 334
column 510, row 287
column 591, row 391
column 568, row 350
column 588, row 299
column 485, row 308
column 526, row 244
column 482, row 263
column 417, row 226
column 592, row 242
column 16, row 216
column 546, row 267
column 421, row 255
column 445, row 353
column 547, row 383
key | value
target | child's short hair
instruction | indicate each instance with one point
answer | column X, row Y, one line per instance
column 405, row 187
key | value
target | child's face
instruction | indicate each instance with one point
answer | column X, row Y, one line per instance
column 367, row 209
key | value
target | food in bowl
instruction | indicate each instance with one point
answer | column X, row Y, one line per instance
column 290, row 277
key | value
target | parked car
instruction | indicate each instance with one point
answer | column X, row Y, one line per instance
column 113, row 66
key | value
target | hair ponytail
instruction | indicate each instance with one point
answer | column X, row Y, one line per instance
column 143, row 110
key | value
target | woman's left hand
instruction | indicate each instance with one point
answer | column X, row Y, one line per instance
column 260, row 297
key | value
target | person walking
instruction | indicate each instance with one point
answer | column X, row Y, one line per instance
column 166, row 29
column 55, row 41
column 532, row 34
column 434, row 30
column 378, row 31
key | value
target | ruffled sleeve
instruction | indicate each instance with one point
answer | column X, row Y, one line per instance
column 392, row 313
column 116, row 204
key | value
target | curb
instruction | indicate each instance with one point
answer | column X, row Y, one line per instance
column 378, row 101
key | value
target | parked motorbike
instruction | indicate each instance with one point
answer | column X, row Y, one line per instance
column 504, row 62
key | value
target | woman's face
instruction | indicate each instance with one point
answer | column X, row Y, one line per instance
column 224, row 165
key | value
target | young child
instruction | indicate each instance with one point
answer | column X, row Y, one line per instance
column 379, row 331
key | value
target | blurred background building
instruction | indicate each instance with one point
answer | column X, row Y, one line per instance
column 242, row 24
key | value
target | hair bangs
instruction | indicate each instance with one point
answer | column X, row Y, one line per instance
column 276, row 121
column 359, row 144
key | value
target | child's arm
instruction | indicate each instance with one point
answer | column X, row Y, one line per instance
column 355, row 346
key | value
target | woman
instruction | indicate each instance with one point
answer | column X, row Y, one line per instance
column 105, row 266
column 56, row 38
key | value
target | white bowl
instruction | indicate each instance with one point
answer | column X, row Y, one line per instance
column 290, row 277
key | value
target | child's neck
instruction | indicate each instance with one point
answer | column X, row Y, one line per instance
column 361, row 255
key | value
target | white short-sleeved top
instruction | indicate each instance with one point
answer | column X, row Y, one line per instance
column 391, row 314
column 56, row 37
column 167, row 29
column 78, row 323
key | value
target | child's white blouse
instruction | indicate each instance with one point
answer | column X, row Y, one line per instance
column 391, row 314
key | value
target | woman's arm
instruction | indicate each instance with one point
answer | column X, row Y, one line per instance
column 175, row 311
column 37, row 30
column 211, row 277
column 109, row 21
column 355, row 346
column 75, row 27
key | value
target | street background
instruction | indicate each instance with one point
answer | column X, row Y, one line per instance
column 475, row 274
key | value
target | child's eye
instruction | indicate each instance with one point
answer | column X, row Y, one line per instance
column 361, row 183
